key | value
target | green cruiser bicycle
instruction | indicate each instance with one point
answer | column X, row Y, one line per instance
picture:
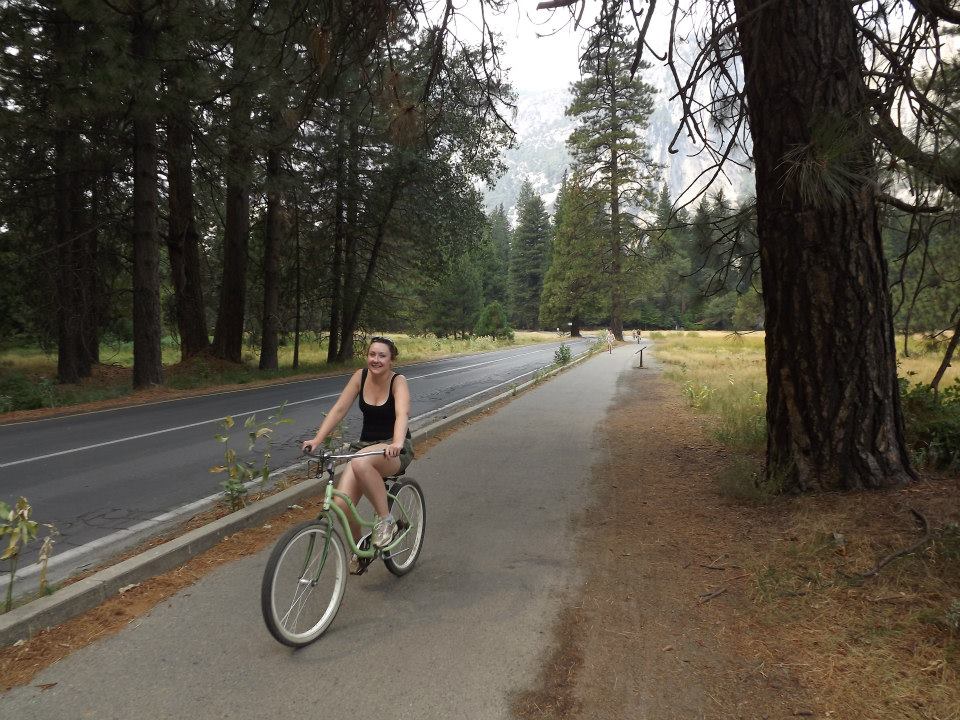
column 306, row 573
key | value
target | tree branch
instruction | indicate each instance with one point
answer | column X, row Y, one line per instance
column 899, row 145
column 888, row 199
column 937, row 9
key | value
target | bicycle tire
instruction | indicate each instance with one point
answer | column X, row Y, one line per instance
column 401, row 559
column 296, row 568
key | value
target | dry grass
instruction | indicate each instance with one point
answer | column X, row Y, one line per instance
column 886, row 646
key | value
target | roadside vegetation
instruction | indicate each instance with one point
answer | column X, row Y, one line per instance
column 863, row 587
column 28, row 374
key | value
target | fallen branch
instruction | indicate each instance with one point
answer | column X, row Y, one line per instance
column 708, row 596
column 928, row 535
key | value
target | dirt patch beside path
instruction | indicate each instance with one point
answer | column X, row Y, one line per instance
column 652, row 634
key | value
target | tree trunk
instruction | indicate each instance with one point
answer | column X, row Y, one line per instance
column 616, row 252
column 336, row 270
column 69, row 340
column 270, row 340
column 296, row 317
column 228, row 336
column 91, row 292
column 833, row 407
column 147, row 359
column 352, row 319
column 71, row 363
column 351, row 300
column 948, row 355
column 183, row 240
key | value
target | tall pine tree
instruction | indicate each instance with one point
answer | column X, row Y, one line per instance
column 528, row 257
column 612, row 107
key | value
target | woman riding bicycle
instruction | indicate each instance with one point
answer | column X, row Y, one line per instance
column 384, row 399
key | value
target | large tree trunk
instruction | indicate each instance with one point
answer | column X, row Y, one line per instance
column 70, row 361
column 147, row 359
column 183, row 240
column 228, row 336
column 270, row 340
column 833, row 407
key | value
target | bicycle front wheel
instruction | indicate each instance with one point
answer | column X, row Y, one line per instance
column 303, row 583
column 400, row 559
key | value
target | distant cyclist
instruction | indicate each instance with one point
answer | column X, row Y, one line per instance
column 609, row 338
column 384, row 399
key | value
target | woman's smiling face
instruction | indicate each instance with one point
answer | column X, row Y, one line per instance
column 378, row 357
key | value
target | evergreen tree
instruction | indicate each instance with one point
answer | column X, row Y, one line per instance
column 575, row 286
column 528, row 257
column 495, row 257
column 612, row 107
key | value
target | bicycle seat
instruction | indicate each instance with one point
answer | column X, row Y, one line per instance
column 395, row 476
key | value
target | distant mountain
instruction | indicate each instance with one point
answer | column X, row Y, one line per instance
column 541, row 154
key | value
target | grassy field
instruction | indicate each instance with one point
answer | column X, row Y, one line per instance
column 28, row 375
column 723, row 376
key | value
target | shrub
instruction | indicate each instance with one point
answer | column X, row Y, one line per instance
column 562, row 355
column 932, row 424
column 493, row 323
column 18, row 392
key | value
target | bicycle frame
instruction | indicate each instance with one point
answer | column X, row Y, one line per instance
column 331, row 508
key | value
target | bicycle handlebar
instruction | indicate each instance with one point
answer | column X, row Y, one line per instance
column 329, row 455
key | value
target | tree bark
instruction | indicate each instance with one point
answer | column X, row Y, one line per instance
column 834, row 420
column 270, row 336
column 147, row 359
column 228, row 336
column 183, row 240
column 336, row 269
column 69, row 338
column 71, row 363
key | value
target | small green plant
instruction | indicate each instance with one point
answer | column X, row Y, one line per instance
column 241, row 472
column 697, row 393
column 19, row 529
column 562, row 355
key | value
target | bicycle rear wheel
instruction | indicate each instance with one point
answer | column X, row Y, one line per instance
column 400, row 559
column 303, row 583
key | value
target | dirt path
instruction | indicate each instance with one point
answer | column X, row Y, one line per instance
column 654, row 633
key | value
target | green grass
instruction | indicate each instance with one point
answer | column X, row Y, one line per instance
column 28, row 374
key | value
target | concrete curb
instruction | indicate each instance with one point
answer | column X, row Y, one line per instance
column 25, row 621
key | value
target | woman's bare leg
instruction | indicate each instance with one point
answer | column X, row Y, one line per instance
column 349, row 484
column 370, row 472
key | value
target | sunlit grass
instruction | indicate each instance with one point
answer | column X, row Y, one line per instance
column 723, row 376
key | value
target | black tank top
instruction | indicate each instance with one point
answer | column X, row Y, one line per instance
column 378, row 420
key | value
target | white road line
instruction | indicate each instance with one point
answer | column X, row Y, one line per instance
column 119, row 535
column 250, row 412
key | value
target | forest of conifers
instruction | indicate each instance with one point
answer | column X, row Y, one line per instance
column 235, row 174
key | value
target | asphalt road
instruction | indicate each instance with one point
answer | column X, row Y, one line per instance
column 94, row 474
column 507, row 509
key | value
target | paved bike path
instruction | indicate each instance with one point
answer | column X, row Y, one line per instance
column 453, row 639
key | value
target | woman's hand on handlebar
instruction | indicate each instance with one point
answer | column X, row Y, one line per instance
column 393, row 450
column 310, row 446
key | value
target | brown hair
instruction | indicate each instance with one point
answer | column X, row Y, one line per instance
column 386, row 341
